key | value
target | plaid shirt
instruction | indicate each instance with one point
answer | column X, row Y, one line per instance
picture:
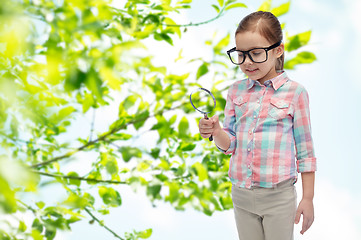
column 269, row 127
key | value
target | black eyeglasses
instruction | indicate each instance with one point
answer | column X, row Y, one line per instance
column 257, row 55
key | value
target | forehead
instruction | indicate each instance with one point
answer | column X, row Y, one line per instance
column 248, row 40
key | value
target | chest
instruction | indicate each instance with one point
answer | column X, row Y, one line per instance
column 264, row 103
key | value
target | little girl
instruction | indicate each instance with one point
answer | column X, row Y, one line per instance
column 266, row 128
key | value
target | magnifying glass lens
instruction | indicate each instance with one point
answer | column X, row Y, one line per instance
column 203, row 101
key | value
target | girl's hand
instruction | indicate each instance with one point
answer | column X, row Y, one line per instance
column 306, row 209
column 209, row 127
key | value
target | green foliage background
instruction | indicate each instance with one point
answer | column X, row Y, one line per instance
column 63, row 60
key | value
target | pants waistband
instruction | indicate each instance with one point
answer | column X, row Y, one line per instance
column 283, row 184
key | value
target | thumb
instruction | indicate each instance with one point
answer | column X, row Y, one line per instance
column 215, row 119
column 298, row 216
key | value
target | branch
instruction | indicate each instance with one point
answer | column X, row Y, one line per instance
column 102, row 224
column 102, row 138
column 196, row 24
column 78, row 178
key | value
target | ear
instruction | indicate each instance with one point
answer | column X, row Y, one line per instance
column 280, row 50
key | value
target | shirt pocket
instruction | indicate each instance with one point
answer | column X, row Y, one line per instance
column 240, row 105
column 279, row 108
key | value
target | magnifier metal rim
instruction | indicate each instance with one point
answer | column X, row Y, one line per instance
column 206, row 90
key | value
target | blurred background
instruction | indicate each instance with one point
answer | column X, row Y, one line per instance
column 334, row 89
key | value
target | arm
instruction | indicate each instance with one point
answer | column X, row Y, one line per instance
column 306, row 204
column 306, row 161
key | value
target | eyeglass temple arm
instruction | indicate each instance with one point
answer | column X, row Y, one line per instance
column 231, row 50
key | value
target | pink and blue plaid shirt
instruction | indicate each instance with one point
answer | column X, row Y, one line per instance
column 270, row 131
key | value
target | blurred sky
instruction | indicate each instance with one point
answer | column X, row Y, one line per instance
column 334, row 88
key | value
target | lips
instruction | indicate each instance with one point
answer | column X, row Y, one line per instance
column 251, row 70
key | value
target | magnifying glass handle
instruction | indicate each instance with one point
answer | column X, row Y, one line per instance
column 206, row 117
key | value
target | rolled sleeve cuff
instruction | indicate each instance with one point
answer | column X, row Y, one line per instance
column 306, row 165
column 232, row 147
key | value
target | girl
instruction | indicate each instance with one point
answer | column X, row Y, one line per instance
column 266, row 127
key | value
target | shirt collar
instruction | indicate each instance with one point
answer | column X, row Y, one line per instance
column 277, row 81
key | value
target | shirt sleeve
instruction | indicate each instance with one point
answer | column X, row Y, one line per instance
column 306, row 160
column 229, row 124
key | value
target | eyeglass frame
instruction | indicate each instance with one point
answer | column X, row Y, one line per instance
column 247, row 53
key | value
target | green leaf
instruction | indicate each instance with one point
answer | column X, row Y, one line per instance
column 110, row 196
column 173, row 192
column 129, row 102
column 201, row 171
column 163, row 36
column 282, row 9
column 236, row 5
column 22, row 226
column 265, row 6
column 75, row 79
column 301, row 58
column 155, row 153
column 37, row 225
column 297, row 41
column 170, row 21
column 216, row 8
column 186, row 146
column 36, row 235
column 226, row 202
column 154, row 190
column 120, row 136
column 203, row 69
column 183, row 128
column 111, row 166
column 50, row 234
column 145, row 234
column 162, row 177
column 140, row 119
column 130, row 152
column 87, row 102
column 40, row 204
column 75, row 182
column 65, row 112
column 221, row 3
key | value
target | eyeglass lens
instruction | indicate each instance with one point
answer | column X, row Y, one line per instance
column 256, row 55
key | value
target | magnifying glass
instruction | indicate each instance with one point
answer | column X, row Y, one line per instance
column 203, row 101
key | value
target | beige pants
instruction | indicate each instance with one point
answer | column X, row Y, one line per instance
column 265, row 213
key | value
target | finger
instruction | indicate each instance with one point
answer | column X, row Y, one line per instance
column 205, row 126
column 309, row 224
column 206, row 131
column 205, row 135
column 305, row 224
column 298, row 216
column 205, row 123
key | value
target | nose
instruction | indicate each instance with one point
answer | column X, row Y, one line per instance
column 247, row 60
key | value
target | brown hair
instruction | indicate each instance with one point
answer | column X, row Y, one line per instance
column 266, row 24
